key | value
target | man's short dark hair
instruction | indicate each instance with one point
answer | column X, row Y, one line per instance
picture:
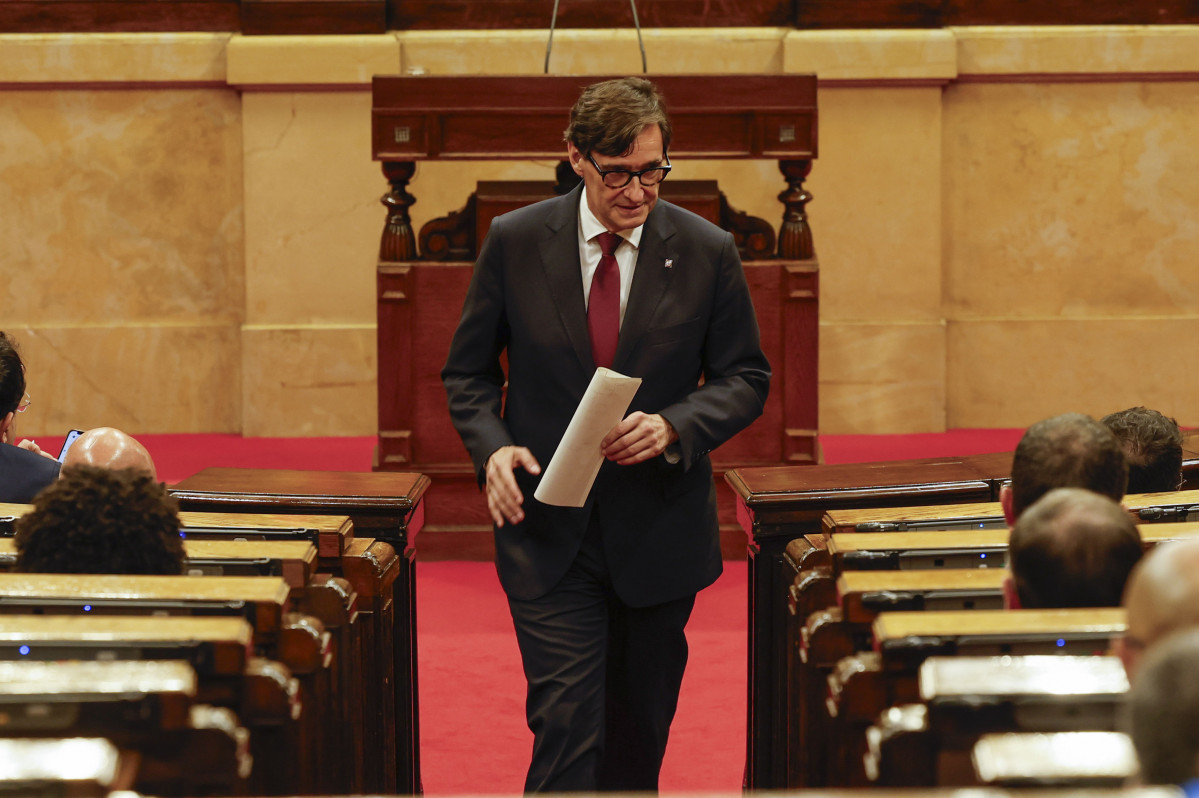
column 608, row 116
column 1067, row 451
column 12, row 376
column 1073, row 548
column 99, row 521
column 1152, row 444
column 1163, row 710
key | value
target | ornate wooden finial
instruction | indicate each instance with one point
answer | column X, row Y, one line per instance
column 795, row 237
column 398, row 242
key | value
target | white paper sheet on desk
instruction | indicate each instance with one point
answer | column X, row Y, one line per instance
column 573, row 468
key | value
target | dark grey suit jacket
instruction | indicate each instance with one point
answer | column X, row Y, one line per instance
column 23, row 474
column 689, row 317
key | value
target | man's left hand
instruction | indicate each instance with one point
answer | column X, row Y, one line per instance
column 638, row 438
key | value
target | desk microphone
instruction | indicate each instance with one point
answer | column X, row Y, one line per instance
column 554, row 19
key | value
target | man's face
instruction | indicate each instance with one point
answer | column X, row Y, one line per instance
column 621, row 208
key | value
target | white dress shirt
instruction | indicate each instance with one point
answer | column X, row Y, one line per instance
column 590, row 252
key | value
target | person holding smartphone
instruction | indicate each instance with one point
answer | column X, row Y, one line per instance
column 24, row 469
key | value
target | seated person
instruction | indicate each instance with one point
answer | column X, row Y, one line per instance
column 1163, row 713
column 109, row 448
column 1162, row 597
column 1072, row 548
column 24, row 469
column 101, row 521
column 1152, row 444
column 1066, row 451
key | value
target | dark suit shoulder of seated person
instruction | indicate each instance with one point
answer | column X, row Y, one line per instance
column 22, row 472
column 1163, row 713
column 1152, row 444
column 96, row 520
column 1067, row 451
column 1072, row 548
column 605, row 276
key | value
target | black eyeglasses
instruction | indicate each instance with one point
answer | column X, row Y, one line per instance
column 619, row 178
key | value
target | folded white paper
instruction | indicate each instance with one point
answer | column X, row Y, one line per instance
column 576, row 462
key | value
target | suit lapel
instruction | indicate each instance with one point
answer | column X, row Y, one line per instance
column 560, row 260
column 650, row 281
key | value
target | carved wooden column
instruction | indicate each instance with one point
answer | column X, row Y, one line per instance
column 393, row 297
column 398, row 242
column 795, row 237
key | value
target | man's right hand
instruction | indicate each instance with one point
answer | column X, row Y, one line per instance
column 503, row 496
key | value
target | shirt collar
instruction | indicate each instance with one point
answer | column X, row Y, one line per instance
column 590, row 226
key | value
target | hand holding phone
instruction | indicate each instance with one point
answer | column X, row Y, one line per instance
column 71, row 436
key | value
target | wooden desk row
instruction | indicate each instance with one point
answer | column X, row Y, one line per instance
column 331, row 625
column 780, row 504
column 844, row 649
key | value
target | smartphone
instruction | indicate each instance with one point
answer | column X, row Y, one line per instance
column 71, row 436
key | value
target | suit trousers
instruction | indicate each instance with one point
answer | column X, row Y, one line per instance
column 603, row 679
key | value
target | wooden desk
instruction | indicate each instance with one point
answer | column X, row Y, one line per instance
column 964, row 698
column 359, row 610
column 776, row 506
column 35, row 767
column 329, row 533
column 1084, row 759
column 864, row 595
column 213, row 647
column 905, row 639
column 387, row 509
column 1172, row 506
column 890, row 551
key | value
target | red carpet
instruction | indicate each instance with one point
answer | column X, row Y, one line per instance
column 473, row 736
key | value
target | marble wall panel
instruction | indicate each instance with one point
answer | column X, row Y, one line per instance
column 877, row 208
column 1071, row 199
column 120, row 206
column 1011, row 373
column 136, row 377
column 309, row 381
column 593, row 51
column 882, row 378
column 313, row 217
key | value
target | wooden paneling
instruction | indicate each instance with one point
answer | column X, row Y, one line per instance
column 81, row 16
column 313, row 17
column 483, row 14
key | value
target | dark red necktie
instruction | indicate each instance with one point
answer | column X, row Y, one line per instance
column 603, row 305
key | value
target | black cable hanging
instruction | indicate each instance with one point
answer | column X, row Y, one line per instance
column 636, row 22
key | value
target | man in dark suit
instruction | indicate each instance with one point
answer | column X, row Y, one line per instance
column 606, row 275
column 23, row 471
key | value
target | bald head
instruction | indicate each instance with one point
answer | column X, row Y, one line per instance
column 1162, row 597
column 107, row 447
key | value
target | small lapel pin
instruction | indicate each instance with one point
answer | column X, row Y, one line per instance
column 669, row 263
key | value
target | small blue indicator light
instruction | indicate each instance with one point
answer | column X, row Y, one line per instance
column 1060, row 643
column 182, row 534
column 87, row 607
column 982, row 556
column 23, row 650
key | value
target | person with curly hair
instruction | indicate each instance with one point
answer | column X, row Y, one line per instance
column 1152, row 443
column 96, row 520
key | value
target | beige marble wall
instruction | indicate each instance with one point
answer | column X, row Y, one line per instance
column 189, row 222
column 1071, row 227
column 121, row 249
